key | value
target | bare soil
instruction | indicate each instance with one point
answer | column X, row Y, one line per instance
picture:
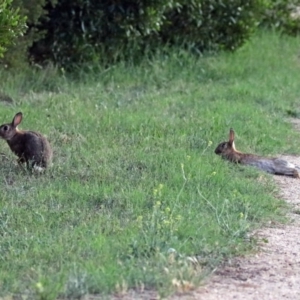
column 271, row 274
column 274, row 272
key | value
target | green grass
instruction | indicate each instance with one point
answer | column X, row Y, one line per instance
column 134, row 172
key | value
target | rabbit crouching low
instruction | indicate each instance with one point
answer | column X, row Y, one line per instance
column 31, row 147
column 271, row 165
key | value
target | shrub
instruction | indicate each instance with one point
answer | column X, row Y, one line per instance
column 32, row 10
column 283, row 15
column 93, row 31
column 212, row 24
column 71, row 33
column 12, row 25
column 80, row 31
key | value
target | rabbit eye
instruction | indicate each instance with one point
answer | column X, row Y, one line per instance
column 5, row 128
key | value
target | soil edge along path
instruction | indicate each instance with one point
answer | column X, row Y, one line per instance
column 271, row 274
column 274, row 272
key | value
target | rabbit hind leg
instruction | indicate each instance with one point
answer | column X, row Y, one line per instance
column 21, row 160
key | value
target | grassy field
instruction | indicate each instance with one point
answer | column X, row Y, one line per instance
column 135, row 188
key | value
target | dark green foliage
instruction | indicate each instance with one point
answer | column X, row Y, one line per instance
column 283, row 15
column 12, row 25
column 32, row 10
column 73, row 33
column 80, row 31
column 212, row 24
column 106, row 31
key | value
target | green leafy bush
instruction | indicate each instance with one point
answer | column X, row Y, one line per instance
column 283, row 15
column 12, row 25
column 104, row 31
column 32, row 10
column 84, row 30
column 71, row 33
column 212, row 24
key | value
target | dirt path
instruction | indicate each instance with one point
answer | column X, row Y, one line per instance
column 271, row 274
column 274, row 273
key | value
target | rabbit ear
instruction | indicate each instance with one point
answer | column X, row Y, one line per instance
column 231, row 136
column 17, row 119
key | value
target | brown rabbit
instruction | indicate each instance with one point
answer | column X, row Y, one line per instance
column 271, row 165
column 31, row 147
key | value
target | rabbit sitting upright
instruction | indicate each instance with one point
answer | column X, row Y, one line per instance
column 276, row 166
column 31, row 147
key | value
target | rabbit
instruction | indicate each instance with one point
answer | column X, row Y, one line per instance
column 31, row 147
column 275, row 166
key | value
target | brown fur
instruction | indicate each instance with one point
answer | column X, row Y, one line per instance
column 277, row 166
column 31, row 147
